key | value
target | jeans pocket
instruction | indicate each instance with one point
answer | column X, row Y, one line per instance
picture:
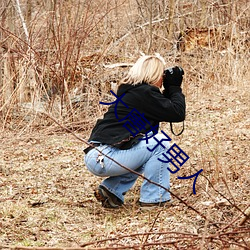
column 95, row 160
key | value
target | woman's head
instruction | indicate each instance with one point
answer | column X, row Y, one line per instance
column 148, row 69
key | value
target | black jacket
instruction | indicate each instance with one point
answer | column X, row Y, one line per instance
column 146, row 99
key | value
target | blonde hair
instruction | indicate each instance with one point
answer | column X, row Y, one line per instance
column 148, row 69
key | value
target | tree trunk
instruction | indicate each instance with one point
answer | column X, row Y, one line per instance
column 6, row 67
column 28, row 87
column 171, row 20
column 150, row 10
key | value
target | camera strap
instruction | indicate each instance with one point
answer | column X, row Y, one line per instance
column 172, row 130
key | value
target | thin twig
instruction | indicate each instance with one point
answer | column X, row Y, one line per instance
column 234, row 220
column 233, row 204
column 156, row 217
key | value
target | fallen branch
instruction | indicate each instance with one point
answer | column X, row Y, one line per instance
column 175, row 237
column 115, row 65
column 39, row 248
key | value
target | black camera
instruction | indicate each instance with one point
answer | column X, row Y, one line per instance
column 171, row 70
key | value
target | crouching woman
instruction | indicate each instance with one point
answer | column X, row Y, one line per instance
column 128, row 133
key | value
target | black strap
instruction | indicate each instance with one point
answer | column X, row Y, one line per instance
column 171, row 126
column 91, row 146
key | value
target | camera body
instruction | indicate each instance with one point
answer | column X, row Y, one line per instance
column 169, row 70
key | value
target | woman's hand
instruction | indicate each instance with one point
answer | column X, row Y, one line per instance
column 173, row 77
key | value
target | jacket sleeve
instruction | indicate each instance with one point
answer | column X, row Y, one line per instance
column 169, row 107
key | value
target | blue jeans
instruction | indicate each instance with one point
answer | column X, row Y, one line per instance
column 139, row 159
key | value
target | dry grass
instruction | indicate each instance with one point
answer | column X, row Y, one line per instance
column 46, row 194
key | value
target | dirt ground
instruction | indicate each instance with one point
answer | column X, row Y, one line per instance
column 46, row 193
